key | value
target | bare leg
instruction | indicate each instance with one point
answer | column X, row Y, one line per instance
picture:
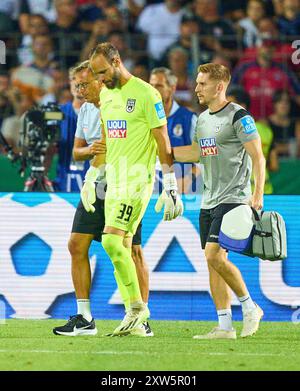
column 79, row 245
column 228, row 271
column 140, row 265
column 219, row 289
column 142, row 271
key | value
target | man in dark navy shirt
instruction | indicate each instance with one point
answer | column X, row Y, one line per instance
column 216, row 33
column 70, row 174
column 181, row 123
column 68, row 36
column 289, row 21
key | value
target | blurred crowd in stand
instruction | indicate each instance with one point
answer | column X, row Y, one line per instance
column 259, row 40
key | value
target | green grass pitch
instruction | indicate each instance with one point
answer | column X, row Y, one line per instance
column 31, row 345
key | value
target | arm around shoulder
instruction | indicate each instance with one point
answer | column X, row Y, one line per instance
column 81, row 150
column 187, row 153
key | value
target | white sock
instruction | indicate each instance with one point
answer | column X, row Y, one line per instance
column 247, row 303
column 225, row 319
column 84, row 308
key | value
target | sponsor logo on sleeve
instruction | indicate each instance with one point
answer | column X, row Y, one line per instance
column 117, row 128
column 248, row 124
column 208, row 146
column 160, row 110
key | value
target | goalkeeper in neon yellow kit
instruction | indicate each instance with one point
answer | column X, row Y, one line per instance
column 135, row 130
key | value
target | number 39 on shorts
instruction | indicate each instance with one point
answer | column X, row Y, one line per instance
column 125, row 212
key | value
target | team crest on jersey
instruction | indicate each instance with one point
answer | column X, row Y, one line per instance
column 219, row 128
column 178, row 131
column 117, row 128
column 130, row 105
column 208, row 146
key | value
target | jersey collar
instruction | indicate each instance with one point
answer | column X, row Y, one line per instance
column 174, row 108
column 222, row 108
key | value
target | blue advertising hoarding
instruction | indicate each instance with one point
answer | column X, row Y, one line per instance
column 35, row 266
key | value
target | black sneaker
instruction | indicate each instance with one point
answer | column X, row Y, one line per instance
column 143, row 330
column 77, row 325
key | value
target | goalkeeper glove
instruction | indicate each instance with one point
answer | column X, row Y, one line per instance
column 88, row 191
column 169, row 198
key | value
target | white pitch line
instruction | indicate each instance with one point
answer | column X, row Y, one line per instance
column 104, row 352
column 112, row 352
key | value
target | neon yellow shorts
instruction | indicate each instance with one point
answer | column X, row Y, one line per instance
column 124, row 208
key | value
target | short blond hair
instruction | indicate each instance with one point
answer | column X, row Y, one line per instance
column 216, row 71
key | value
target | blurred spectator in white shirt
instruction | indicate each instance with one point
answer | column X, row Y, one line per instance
column 255, row 12
column 161, row 23
column 10, row 8
column 42, row 7
column 36, row 79
column 37, row 25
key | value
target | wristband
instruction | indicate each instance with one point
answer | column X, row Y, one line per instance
column 92, row 174
column 169, row 181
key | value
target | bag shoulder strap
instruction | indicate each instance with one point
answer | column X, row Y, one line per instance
column 255, row 214
column 261, row 232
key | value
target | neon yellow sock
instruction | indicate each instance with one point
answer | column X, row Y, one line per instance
column 123, row 291
column 124, row 265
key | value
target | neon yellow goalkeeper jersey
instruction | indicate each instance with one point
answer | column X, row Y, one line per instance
column 128, row 115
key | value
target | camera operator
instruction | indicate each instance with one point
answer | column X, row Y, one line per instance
column 70, row 174
column 12, row 125
column 36, row 131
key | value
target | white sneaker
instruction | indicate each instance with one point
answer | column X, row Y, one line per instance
column 143, row 330
column 132, row 318
column 217, row 333
column 251, row 321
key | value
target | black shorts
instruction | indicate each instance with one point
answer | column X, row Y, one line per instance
column 210, row 221
column 93, row 223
